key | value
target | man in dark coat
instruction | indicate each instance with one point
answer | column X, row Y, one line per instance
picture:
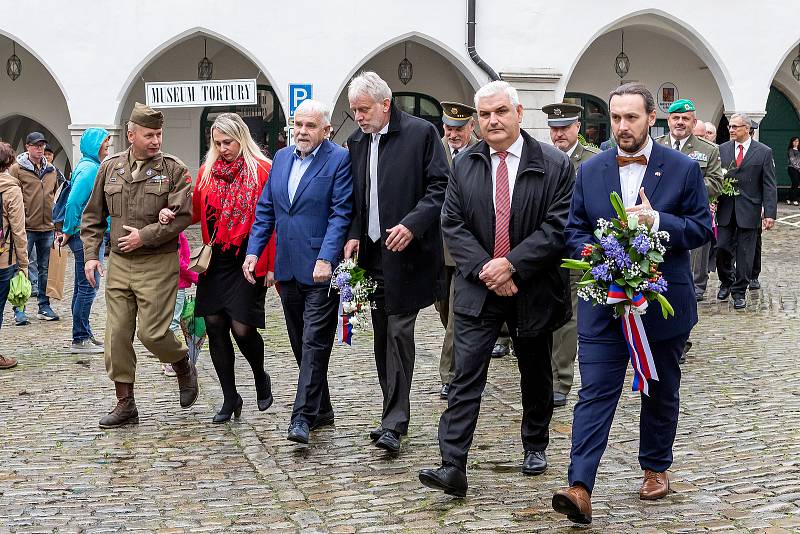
column 400, row 174
column 739, row 217
column 503, row 221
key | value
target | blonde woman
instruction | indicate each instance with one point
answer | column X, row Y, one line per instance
column 228, row 187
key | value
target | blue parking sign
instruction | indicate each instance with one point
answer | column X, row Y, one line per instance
column 297, row 93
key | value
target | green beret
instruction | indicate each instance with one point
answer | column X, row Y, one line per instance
column 146, row 116
column 681, row 106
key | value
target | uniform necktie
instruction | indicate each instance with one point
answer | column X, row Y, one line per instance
column 455, row 151
column 502, row 208
column 374, row 225
column 623, row 161
column 678, row 146
column 740, row 156
column 135, row 169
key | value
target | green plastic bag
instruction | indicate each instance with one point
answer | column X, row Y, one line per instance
column 20, row 290
column 196, row 326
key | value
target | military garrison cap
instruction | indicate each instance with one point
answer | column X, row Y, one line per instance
column 146, row 116
column 456, row 114
column 563, row 114
column 681, row 106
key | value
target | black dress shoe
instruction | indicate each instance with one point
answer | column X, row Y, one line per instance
column 724, row 293
column 559, row 399
column 500, row 350
column 754, row 285
column 376, row 433
column 535, row 463
column 323, row 419
column 699, row 297
column 225, row 413
column 298, row 432
column 389, row 441
column 449, row 479
column 445, row 391
column 739, row 303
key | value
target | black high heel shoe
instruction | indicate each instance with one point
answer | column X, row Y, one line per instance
column 266, row 402
column 223, row 416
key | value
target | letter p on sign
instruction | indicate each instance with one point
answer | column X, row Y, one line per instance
column 297, row 93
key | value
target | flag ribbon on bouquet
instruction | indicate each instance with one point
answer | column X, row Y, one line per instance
column 344, row 330
column 644, row 367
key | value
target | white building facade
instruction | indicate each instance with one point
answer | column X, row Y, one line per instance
column 84, row 63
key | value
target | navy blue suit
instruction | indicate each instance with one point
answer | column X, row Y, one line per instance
column 674, row 185
column 313, row 226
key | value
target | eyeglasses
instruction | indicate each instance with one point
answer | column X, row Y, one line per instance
column 734, row 126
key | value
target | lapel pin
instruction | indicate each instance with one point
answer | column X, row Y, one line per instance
column 658, row 173
column 149, row 172
column 121, row 172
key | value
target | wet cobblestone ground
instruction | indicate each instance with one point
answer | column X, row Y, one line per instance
column 737, row 464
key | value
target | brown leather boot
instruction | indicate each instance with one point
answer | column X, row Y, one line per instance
column 654, row 486
column 125, row 412
column 575, row 503
column 187, row 381
column 7, row 362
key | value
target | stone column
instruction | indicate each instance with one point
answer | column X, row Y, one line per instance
column 756, row 116
column 536, row 88
column 76, row 131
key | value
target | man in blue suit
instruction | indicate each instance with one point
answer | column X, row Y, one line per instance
column 308, row 202
column 665, row 189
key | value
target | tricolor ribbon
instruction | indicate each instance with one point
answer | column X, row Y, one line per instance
column 644, row 367
column 344, row 330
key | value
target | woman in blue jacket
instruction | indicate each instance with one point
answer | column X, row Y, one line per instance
column 94, row 147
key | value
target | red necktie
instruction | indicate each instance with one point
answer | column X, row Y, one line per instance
column 502, row 209
column 740, row 156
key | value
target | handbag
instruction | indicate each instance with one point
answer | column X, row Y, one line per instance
column 200, row 259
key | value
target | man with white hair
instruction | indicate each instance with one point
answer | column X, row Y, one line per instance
column 711, row 133
column 308, row 202
column 400, row 174
column 507, row 272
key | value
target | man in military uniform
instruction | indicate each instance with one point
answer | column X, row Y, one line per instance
column 132, row 187
column 564, row 122
column 459, row 135
column 682, row 121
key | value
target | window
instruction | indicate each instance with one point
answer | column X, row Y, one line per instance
column 595, row 125
column 264, row 119
column 422, row 106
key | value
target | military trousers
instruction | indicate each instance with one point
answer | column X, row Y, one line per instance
column 447, row 364
column 140, row 289
column 565, row 344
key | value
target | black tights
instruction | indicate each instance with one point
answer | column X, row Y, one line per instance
column 219, row 328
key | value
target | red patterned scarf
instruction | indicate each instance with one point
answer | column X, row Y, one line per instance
column 233, row 194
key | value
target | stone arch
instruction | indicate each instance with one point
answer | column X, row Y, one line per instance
column 185, row 35
column 669, row 26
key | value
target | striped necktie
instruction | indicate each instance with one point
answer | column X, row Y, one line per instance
column 502, row 209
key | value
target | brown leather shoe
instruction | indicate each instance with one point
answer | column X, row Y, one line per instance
column 187, row 381
column 7, row 362
column 574, row 502
column 125, row 412
column 654, row 486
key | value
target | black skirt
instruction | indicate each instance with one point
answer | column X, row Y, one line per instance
column 224, row 289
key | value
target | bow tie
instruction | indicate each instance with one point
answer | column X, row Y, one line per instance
column 623, row 161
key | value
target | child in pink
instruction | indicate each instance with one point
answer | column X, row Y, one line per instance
column 185, row 280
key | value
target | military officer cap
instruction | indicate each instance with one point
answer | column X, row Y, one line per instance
column 563, row 114
column 456, row 114
column 146, row 116
column 681, row 106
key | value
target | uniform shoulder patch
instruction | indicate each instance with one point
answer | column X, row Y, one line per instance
column 593, row 150
column 176, row 159
column 660, row 138
column 705, row 143
column 112, row 156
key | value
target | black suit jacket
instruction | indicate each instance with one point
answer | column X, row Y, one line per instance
column 412, row 178
column 539, row 210
column 755, row 180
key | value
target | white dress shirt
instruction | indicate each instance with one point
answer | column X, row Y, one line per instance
column 631, row 177
column 682, row 142
column 746, row 146
column 512, row 162
column 374, row 220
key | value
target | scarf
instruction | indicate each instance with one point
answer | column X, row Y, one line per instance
column 233, row 194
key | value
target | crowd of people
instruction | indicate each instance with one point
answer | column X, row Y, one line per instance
column 477, row 225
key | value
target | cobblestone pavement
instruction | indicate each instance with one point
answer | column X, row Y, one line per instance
column 736, row 455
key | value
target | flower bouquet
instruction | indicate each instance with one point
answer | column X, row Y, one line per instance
column 728, row 183
column 621, row 270
column 354, row 288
